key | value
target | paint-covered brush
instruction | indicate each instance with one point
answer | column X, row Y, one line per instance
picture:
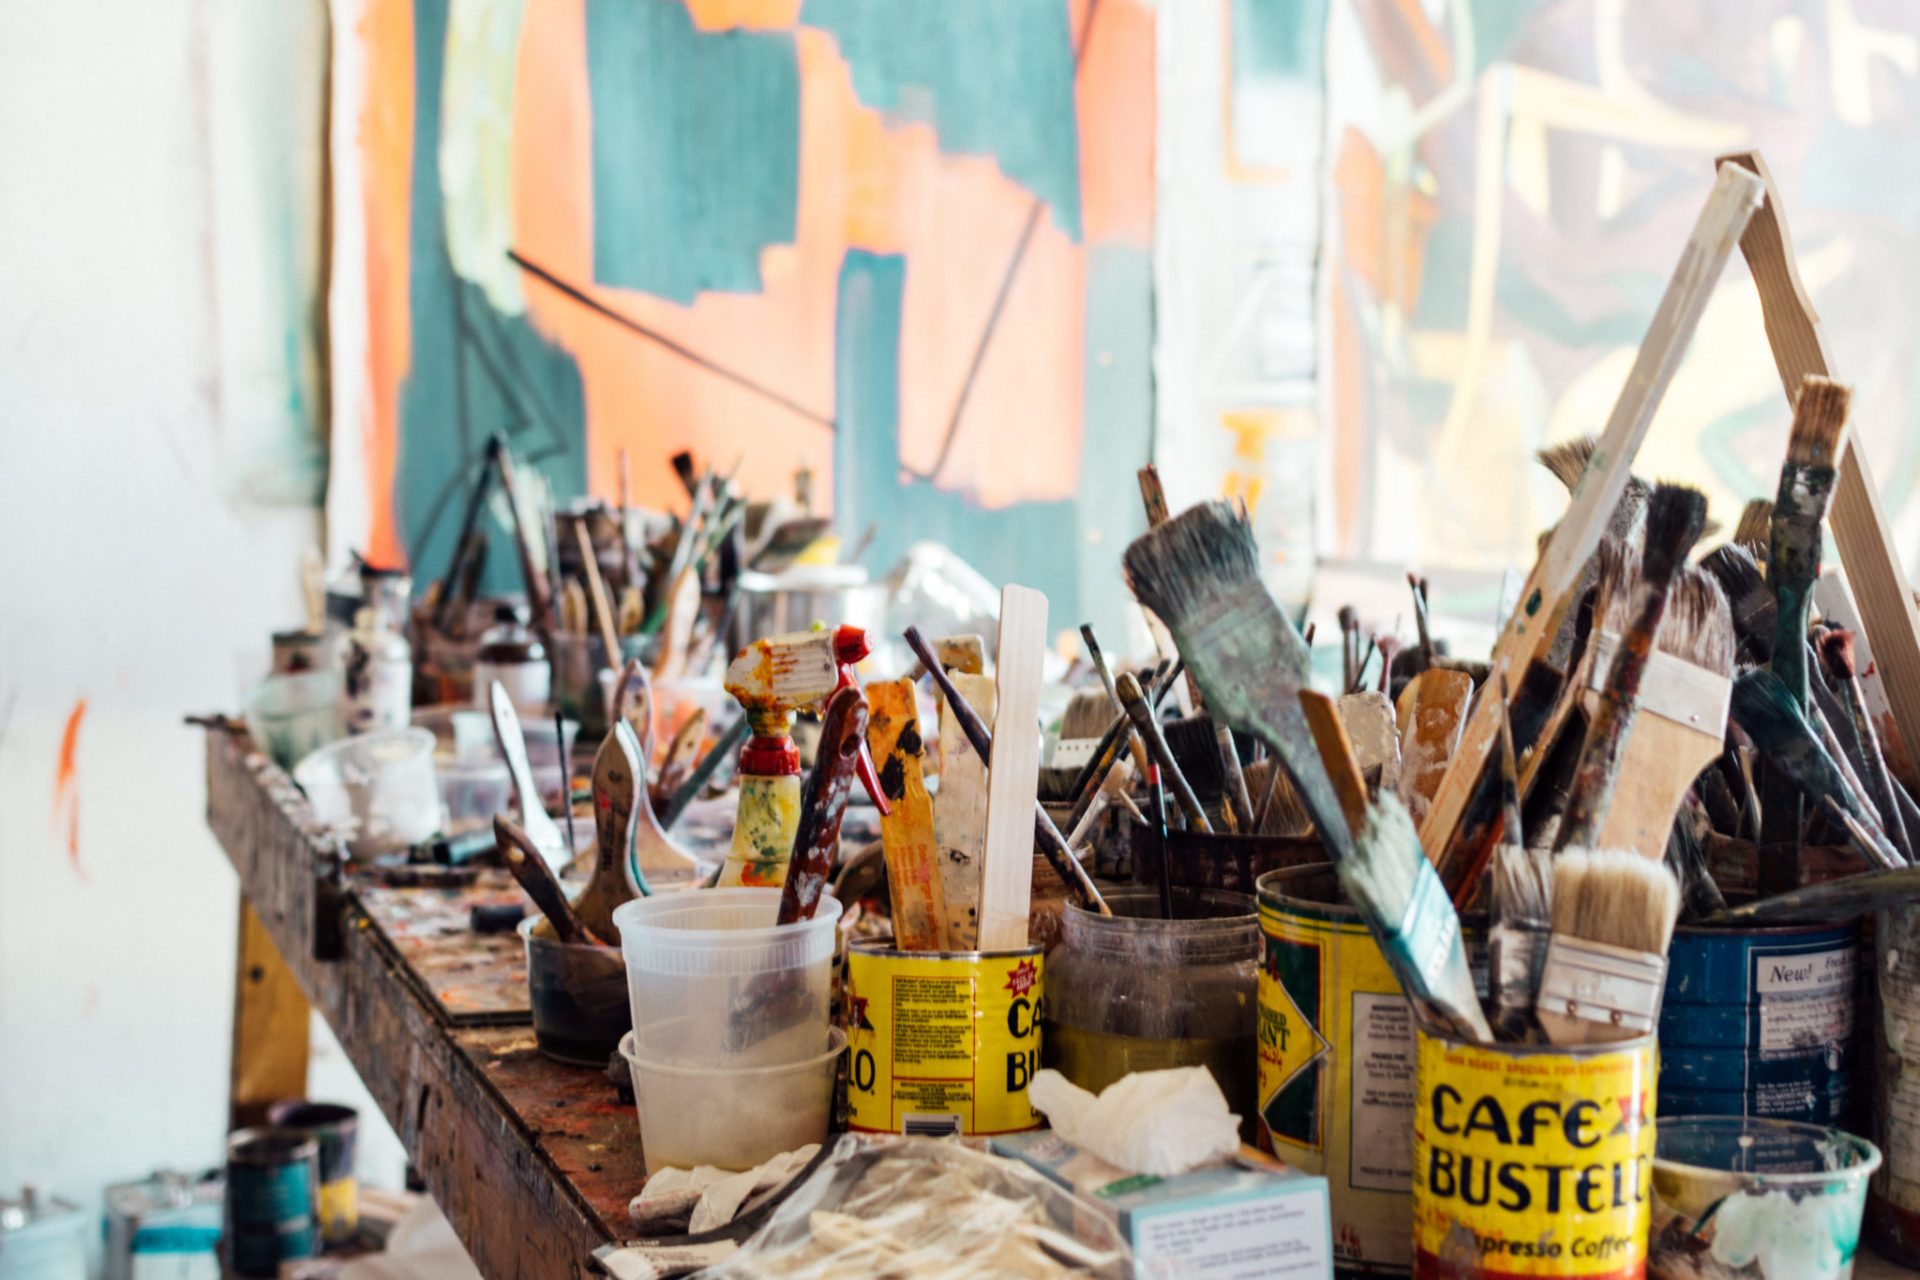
column 1844, row 899
column 1687, row 859
column 682, row 750
column 1147, row 725
column 1195, row 748
column 633, row 702
column 617, row 775
column 529, row 866
column 1200, row 572
column 816, row 840
column 1836, row 651
column 1769, row 714
column 1794, row 546
column 1387, row 876
column 1521, row 900
column 1280, row 812
column 1674, row 517
column 1568, row 459
column 1754, row 529
column 906, row 830
column 1606, row 964
column 1749, row 599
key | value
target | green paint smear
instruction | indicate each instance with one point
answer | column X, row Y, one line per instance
column 1040, row 544
column 992, row 77
column 474, row 370
column 696, row 149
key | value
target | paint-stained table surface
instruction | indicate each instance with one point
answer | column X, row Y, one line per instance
column 533, row 1162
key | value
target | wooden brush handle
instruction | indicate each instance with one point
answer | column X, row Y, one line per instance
column 822, row 805
column 597, row 589
column 1336, row 753
column 523, row 859
column 1052, row 844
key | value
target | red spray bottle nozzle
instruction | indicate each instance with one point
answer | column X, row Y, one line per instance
column 850, row 645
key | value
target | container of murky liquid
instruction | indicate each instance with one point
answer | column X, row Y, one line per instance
column 1137, row 992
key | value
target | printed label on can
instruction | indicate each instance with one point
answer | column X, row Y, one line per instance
column 1336, row 1078
column 1532, row 1164
column 942, row 1043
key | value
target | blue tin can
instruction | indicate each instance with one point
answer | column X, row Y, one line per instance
column 273, row 1181
column 1760, row 1022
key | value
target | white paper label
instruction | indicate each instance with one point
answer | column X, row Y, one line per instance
column 1382, row 1057
column 1282, row 1236
column 1805, row 1001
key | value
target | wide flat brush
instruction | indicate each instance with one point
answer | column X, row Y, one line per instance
column 1548, row 594
column 1748, row 598
column 1387, row 876
column 1200, row 573
column 1675, row 514
column 1606, row 964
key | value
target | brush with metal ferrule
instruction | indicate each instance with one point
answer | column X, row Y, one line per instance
column 1674, row 516
column 1606, row 964
column 1387, row 876
column 1200, row 573
column 1521, row 899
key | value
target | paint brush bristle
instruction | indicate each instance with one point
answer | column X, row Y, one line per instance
column 1568, row 460
column 1819, row 423
column 1277, row 807
column 1749, row 598
column 1755, row 526
column 1088, row 714
column 1615, row 896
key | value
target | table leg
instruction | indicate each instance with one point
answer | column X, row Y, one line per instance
column 271, row 1023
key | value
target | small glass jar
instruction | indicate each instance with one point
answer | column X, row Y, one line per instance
column 511, row 653
column 376, row 662
column 1135, row 992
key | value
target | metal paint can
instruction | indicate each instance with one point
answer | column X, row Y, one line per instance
column 1532, row 1160
column 1759, row 1022
column 273, row 1179
column 941, row 1042
column 1893, row 1196
column 337, row 1129
column 1336, row 1051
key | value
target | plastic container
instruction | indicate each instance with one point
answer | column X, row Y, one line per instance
column 732, row 1118
column 1756, row 1199
column 578, row 994
column 473, row 791
column 1135, row 992
column 714, row 982
column 294, row 715
column 378, row 789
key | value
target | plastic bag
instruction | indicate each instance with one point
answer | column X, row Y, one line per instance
column 930, row 1210
column 1158, row 1122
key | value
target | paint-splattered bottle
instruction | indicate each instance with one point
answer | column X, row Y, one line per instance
column 376, row 662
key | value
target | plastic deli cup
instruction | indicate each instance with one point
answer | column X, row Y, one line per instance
column 732, row 1118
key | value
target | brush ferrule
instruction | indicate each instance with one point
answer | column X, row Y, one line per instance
column 1429, row 929
column 1600, row 983
column 1515, row 955
column 1670, row 686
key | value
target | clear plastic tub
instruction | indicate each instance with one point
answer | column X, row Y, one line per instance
column 578, row 994
column 377, row 790
column 733, row 1118
column 1756, row 1199
column 714, row 982
column 466, row 735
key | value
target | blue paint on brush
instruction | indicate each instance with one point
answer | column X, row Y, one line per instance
column 474, row 370
column 992, row 77
column 696, row 149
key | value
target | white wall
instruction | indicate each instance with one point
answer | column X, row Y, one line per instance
column 157, row 476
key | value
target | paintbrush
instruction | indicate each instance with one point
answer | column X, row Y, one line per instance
column 1118, row 736
column 1521, row 896
column 1794, row 545
column 1157, row 819
column 1195, row 748
column 1834, row 900
column 1053, row 846
column 1200, row 573
column 1387, row 876
column 1688, row 862
column 1836, row 651
column 1766, row 710
column 771, row 679
column 1754, row 529
column 906, row 830
column 1568, row 459
column 1674, row 517
column 617, row 774
column 1606, row 964
column 1748, row 598
column 597, row 594
column 529, row 866
column 1280, row 812
column 464, row 540
column 1681, row 728
column 546, row 837
column 530, row 536
column 1147, row 725
column 682, row 749
column 1349, row 620
column 702, row 773
column 1549, row 591
column 633, row 702
column 823, row 802
column 1422, row 624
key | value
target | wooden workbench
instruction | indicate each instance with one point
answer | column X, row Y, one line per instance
column 533, row 1162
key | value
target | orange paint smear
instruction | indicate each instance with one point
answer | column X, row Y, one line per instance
column 66, row 788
